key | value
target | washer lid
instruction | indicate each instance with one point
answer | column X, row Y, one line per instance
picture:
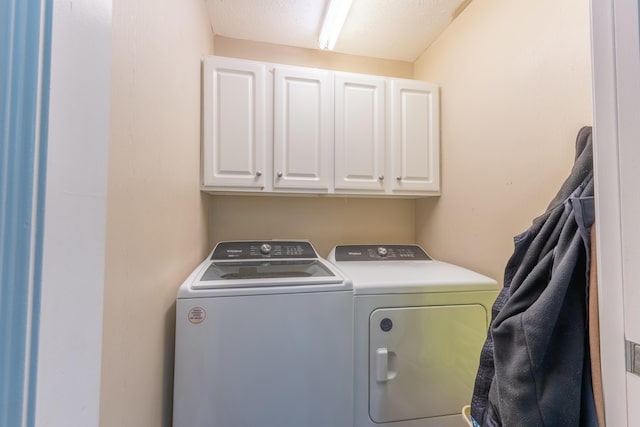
column 271, row 269
column 262, row 267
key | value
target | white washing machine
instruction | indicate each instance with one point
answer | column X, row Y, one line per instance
column 419, row 325
column 264, row 338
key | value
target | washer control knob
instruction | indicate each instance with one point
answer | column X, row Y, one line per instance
column 265, row 249
column 382, row 251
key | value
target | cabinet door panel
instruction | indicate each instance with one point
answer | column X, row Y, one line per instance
column 415, row 136
column 234, row 123
column 359, row 132
column 302, row 129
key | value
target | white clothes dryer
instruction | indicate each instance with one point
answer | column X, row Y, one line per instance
column 264, row 338
column 419, row 325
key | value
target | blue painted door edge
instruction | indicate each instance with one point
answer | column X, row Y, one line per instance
column 25, row 49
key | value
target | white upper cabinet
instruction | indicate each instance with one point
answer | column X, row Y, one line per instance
column 235, row 139
column 302, row 129
column 282, row 129
column 415, row 136
column 359, row 132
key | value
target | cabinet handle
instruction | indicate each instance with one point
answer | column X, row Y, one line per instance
column 381, row 178
column 258, row 173
column 399, row 178
column 279, row 174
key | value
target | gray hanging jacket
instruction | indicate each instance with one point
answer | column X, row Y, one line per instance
column 534, row 366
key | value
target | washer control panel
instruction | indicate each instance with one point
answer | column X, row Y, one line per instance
column 380, row 253
column 263, row 249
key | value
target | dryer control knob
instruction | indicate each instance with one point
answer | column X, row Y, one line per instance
column 265, row 249
column 382, row 251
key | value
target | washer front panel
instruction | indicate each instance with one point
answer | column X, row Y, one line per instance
column 265, row 360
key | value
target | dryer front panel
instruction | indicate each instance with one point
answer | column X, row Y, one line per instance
column 423, row 360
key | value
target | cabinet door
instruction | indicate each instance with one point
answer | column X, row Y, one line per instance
column 234, row 141
column 359, row 132
column 302, row 129
column 415, row 136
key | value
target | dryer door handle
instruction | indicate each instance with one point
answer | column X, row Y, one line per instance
column 385, row 365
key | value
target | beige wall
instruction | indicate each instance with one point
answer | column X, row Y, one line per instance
column 156, row 219
column 311, row 58
column 324, row 221
column 516, row 87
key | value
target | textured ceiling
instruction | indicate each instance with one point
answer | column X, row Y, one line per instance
column 390, row 29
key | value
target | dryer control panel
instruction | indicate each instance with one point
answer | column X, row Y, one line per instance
column 380, row 253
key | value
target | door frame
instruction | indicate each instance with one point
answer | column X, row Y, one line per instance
column 73, row 245
column 608, row 210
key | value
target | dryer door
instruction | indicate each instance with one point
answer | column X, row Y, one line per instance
column 423, row 360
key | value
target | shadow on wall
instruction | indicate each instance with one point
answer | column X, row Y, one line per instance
column 169, row 350
column 426, row 208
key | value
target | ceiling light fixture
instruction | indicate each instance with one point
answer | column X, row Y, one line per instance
column 337, row 12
